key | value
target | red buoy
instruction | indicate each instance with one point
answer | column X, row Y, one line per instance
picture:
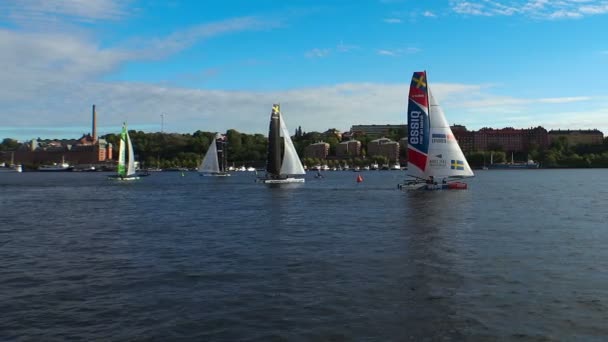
column 359, row 179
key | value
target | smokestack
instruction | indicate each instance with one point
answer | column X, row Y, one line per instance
column 94, row 130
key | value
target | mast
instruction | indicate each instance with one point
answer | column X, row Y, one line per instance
column 273, row 165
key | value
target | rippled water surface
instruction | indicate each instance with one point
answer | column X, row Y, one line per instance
column 522, row 255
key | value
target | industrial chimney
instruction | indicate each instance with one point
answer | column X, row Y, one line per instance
column 94, row 130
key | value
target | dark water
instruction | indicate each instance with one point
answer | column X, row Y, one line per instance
column 522, row 255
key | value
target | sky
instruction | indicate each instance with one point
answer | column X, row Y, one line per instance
column 215, row 65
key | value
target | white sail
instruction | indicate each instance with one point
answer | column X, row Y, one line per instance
column 445, row 158
column 291, row 164
column 210, row 162
column 131, row 162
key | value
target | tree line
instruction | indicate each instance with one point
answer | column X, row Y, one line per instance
column 167, row 150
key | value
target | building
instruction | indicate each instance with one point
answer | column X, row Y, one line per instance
column 378, row 130
column 464, row 137
column 383, row 147
column 318, row 150
column 86, row 150
column 507, row 139
column 575, row 137
column 332, row 132
column 348, row 149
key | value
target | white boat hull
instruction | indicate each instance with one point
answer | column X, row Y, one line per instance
column 17, row 168
column 282, row 181
column 412, row 186
column 214, row 174
column 127, row 178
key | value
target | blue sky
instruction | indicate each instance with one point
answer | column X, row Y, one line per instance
column 215, row 65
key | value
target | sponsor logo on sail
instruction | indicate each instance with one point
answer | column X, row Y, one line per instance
column 438, row 138
column 438, row 163
column 416, row 127
column 457, row 165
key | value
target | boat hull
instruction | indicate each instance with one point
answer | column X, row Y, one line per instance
column 514, row 166
column 214, row 174
column 125, row 178
column 52, row 169
column 425, row 186
column 282, row 181
column 15, row 169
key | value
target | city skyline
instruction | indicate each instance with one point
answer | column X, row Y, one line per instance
column 331, row 64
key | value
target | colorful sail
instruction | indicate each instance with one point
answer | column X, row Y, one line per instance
column 432, row 147
column 418, row 125
column 122, row 170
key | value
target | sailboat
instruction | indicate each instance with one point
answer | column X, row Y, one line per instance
column 214, row 161
column 435, row 161
column 126, row 158
column 11, row 167
column 281, row 167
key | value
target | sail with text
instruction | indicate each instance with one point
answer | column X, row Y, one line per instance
column 432, row 149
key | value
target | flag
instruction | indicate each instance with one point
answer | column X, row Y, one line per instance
column 457, row 165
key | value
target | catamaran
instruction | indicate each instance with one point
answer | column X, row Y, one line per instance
column 214, row 162
column 281, row 170
column 435, row 161
column 126, row 158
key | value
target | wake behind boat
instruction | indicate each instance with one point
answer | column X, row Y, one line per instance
column 281, row 170
column 126, row 158
column 435, row 161
column 214, row 162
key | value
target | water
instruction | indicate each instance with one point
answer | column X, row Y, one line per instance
column 520, row 255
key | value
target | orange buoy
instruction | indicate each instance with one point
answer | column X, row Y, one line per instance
column 359, row 179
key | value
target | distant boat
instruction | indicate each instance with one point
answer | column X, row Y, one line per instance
column 63, row 166
column 214, row 162
column 281, row 170
column 374, row 166
column 126, row 158
column 530, row 164
column 433, row 152
column 11, row 167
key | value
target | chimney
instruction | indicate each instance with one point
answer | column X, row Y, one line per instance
column 94, row 131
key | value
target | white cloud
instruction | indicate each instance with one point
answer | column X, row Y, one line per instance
column 37, row 61
column 398, row 52
column 564, row 99
column 317, row 53
column 27, row 12
column 324, row 52
column 341, row 47
column 540, row 9
column 161, row 47
column 387, row 53
column 429, row 14
column 314, row 108
column 392, row 20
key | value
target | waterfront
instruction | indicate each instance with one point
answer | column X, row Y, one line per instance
column 520, row 255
